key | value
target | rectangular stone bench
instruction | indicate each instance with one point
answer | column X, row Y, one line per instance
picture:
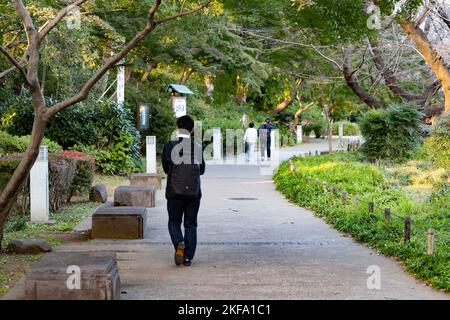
column 119, row 222
column 74, row 276
column 135, row 196
column 151, row 179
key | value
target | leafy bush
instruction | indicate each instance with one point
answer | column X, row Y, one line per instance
column 350, row 128
column 313, row 121
column 391, row 134
column 438, row 143
column 114, row 161
column 306, row 188
column 12, row 144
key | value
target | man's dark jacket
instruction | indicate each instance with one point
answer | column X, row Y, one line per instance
column 167, row 162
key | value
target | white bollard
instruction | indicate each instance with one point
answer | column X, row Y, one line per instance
column 272, row 141
column 341, row 134
column 217, row 144
column 39, row 194
column 299, row 134
column 151, row 154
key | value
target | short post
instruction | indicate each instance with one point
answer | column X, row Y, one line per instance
column 344, row 197
column 341, row 134
column 317, row 152
column 310, row 153
column 407, row 229
column 334, row 188
column 387, row 215
column 217, row 144
column 430, row 241
column 39, row 194
column 356, row 200
column 299, row 134
column 150, row 153
column 371, row 206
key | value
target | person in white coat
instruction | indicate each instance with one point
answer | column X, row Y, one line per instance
column 250, row 138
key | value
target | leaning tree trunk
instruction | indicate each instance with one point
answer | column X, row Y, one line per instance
column 353, row 83
column 299, row 112
column 19, row 177
column 432, row 57
column 283, row 105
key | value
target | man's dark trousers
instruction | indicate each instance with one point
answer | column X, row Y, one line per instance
column 189, row 208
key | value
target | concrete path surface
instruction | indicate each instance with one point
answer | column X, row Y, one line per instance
column 254, row 244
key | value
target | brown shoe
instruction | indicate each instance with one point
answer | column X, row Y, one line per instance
column 179, row 254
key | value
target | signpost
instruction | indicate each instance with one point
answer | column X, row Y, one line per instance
column 179, row 106
column 121, row 86
column 299, row 134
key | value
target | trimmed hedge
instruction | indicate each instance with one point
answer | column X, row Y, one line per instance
column 68, row 175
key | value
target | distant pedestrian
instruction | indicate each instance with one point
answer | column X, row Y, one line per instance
column 265, row 139
column 183, row 162
column 250, row 138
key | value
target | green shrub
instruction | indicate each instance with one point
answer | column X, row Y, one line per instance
column 117, row 160
column 391, row 134
column 313, row 121
column 438, row 143
column 350, row 128
column 11, row 144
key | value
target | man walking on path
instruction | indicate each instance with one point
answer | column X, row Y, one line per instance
column 182, row 161
column 264, row 133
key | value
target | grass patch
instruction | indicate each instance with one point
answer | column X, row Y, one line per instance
column 371, row 183
column 13, row 267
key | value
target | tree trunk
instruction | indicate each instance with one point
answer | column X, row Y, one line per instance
column 299, row 112
column 353, row 83
column 432, row 57
column 9, row 194
column 283, row 105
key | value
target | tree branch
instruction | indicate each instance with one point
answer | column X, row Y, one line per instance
column 182, row 14
column 327, row 58
column 149, row 27
column 353, row 82
column 16, row 64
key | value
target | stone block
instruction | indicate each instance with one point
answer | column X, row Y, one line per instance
column 119, row 222
column 29, row 246
column 135, row 196
column 98, row 193
column 151, row 179
column 74, row 276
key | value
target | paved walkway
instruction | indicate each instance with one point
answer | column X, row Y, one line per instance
column 253, row 244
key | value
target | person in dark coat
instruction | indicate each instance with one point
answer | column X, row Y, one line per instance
column 183, row 162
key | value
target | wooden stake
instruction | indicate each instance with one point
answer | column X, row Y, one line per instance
column 371, row 206
column 356, row 199
column 407, row 229
column 344, row 197
column 430, row 241
column 387, row 215
column 334, row 190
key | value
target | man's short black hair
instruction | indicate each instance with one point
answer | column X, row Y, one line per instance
column 268, row 120
column 186, row 123
column 251, row 124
